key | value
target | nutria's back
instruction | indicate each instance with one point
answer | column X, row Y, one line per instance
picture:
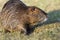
column 15, row 15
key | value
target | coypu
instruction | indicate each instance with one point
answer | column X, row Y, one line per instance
column 16, row 16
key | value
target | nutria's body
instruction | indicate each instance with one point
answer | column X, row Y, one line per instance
column 15, row 15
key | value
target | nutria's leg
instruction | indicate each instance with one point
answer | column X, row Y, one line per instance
column 28, row 28
column 22, row 29
column 5, row 31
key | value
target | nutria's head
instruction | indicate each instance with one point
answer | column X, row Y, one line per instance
column 36, row 15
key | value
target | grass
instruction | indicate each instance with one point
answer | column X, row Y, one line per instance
column 50, row 30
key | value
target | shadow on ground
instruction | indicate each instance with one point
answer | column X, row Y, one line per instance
column 54, row 16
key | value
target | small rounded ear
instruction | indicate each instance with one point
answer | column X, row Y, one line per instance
column 32, row 9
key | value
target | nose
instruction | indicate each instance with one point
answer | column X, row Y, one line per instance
column 45, row 19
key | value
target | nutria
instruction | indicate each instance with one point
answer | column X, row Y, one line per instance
column 16, row 16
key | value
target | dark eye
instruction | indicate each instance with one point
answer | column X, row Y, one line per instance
column 33, row 9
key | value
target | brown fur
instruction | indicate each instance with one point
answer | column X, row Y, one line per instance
column 15, row 15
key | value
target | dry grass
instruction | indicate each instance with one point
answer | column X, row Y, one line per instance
column 49, row 30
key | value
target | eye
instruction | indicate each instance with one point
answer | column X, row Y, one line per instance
column 33, row 9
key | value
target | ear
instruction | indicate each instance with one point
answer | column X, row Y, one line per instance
column 32, row 9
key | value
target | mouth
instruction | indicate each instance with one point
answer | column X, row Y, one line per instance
column 39, row 22
column 44, row 20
